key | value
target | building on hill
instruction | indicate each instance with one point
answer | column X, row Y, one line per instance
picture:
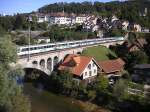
column 42, row 39
column 125, row 25
column 112, row 68
column 79, row 19
column 41, row 17
column 82, row 67
column 134, row 27
column 60, row 18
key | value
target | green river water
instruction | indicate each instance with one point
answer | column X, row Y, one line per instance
column 45, row 101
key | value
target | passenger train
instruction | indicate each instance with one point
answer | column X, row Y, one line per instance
column 24, row 50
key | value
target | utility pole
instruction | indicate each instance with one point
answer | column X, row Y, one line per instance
column 29, row 37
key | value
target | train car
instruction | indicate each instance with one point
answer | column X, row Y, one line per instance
column 23, row 50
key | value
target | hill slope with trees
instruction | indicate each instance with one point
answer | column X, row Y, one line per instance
column 129, row 10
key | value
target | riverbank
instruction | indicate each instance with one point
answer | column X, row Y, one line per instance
column 45, row 101
column 90, row 107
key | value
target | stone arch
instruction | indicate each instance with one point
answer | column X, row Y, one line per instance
column 79, row 52
column 34, row 73
column 35, row 63
column 55, row 61
column 49, row 64
column 42, row 63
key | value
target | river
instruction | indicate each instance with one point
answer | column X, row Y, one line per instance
column 45, row 101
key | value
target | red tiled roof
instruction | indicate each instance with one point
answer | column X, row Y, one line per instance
column 110, row 66
column 76, row 64
column 139, row 43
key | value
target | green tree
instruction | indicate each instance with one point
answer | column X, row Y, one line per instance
column 135, row 57
column 116, row 33
column 2, row 31
column 120, row 89
column 65, row 80
column 20, row 22
column 43, row 26
column 91, row 95
column 8, row 52
column 102, row 84
column 11, row 96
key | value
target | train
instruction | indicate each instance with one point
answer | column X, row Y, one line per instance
column 33, row 49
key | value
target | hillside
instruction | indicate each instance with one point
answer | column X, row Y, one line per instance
column 129, row 10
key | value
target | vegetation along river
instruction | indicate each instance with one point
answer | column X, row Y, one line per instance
column 45, row 101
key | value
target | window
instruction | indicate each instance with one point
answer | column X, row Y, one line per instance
column 94, row 70
column 93, row 64
column 90, row 73
column 89, row 66
column 85, row 73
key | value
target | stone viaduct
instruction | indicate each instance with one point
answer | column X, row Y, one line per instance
column 47, row 61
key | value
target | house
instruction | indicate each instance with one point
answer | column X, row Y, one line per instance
column 141, row 73
column 82, row 67
column 111, row 68
column 42, row 17
column 134, row 27
column 137, row 28
column 42, row 39
column 79, row 19
column 114, row 18
column 60, row 19
column 137, row 45
column 125, row 25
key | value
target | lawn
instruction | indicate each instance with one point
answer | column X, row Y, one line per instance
column 99, row 53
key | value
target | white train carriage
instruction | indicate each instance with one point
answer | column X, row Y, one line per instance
column 23, row 50
column 35, row 49
column 62, row 45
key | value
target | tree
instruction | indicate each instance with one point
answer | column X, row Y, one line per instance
column 24, row 40
column 102, row 84
column 120, row 89
column 136, row 57
column 43, row 26
column 20, row 22
column 91, row 95
column 139, row 57
column 8, row 52
column 65, row 80
column 2, row 31
column 116, row 33
column 11, row 96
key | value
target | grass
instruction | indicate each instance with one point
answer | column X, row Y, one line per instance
column 100, row 53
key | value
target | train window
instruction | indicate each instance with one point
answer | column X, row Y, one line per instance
column 31, row 49
column 25, row 49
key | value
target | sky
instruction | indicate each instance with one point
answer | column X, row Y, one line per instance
column 10, row 7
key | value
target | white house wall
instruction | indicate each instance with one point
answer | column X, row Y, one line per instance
column 87, row 70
